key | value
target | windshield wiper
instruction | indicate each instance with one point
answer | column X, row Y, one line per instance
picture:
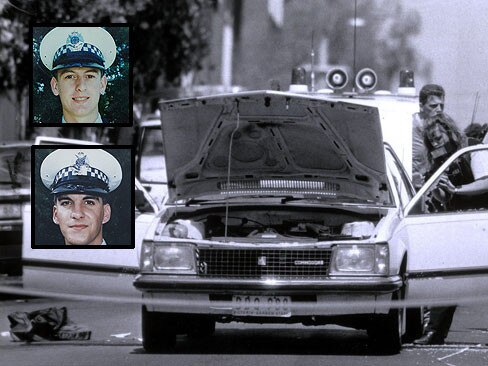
column 336, row 200
column 13, row 176
column 219, row 199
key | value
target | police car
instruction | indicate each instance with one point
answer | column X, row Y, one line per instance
column 292, row 207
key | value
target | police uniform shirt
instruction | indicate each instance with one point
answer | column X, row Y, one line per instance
column 98, row 120
column 420, row 163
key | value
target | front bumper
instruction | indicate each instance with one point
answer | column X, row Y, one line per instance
column 11, row 247
column 14, row 225
column 167, row 283
column 334, row 296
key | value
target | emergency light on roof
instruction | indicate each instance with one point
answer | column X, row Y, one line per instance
column 298, row 80
column 407, row 83
column 337, row 78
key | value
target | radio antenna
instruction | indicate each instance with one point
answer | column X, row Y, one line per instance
column 312, row 69
column 354, row 42
column 229, row 161
column 475, row 109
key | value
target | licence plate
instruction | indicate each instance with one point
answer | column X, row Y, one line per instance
column 10, row 211
column 245, row 305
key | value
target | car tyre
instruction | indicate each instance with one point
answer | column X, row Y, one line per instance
column 385, row 332
column 12, row 269
column 158, row 331
column 202, row 328
column 414, row 324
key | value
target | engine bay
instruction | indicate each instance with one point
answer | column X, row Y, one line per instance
column 267, row 225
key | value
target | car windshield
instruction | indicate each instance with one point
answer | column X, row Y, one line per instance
column 15, row 166
column 153, row 168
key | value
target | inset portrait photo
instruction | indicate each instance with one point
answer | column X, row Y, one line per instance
column 82, row 197
column 81, row 75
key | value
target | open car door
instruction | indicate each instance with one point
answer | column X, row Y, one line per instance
column 447, row 247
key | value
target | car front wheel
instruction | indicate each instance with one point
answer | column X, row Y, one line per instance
column 385, row 331
column 158, row 331
column 201, row 328
column 414, row 324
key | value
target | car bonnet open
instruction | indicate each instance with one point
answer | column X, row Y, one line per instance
column 282, row 144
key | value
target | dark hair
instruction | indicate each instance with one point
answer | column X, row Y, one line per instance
column 456, row 137
column 475, row 130
column 431, row 89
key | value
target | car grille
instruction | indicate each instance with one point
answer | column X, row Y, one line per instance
column 264, row 263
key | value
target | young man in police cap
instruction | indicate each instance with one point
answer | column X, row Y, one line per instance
column 77, row 58
column 80, row 181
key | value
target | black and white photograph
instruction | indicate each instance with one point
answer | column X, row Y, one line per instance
column 240, row 182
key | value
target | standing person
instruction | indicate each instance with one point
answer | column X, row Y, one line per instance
column 80, row 182
column 476, row 131
column 77, row 58
column 476, row 191
column 441, row 139
column 431, row 104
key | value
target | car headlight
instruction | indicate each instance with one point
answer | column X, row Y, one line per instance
column 354, row 259
column 168, row 258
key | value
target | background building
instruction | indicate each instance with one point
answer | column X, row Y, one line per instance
column 200, row 46
column 443, row 41
column 454, row 38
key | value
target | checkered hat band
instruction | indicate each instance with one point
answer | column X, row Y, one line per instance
column 86, row 48
column 70, row 173
column 88, row 53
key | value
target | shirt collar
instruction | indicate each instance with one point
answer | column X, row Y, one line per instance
column 98, row 120
column 103, row 242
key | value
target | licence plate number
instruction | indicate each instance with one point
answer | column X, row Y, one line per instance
column 10, row 211
column 245, row 305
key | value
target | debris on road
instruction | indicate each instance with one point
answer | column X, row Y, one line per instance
column 46, row 324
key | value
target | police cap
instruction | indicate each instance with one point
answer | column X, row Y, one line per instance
column 81, row 170
column 78, row 46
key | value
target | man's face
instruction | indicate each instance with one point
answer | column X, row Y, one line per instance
column 80, row 218
column 433, row 107
column 79, row 89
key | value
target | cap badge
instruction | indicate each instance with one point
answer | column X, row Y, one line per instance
column 81, row 165
column 75, row 41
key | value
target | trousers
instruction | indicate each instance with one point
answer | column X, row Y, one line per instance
column 441, row 320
